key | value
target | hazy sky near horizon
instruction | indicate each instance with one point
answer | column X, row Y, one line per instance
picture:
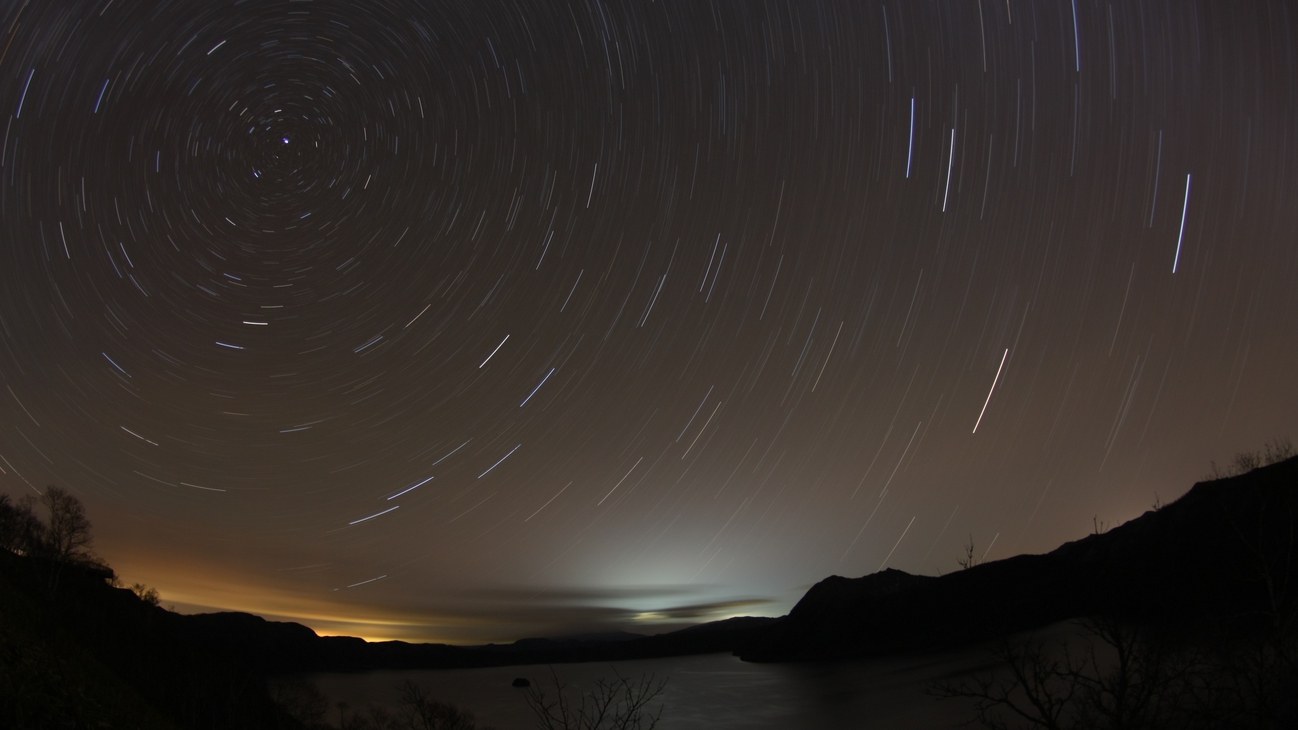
column 468, row 321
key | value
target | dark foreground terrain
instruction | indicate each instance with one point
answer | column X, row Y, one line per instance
column 1224, row 557
column 1220, row 564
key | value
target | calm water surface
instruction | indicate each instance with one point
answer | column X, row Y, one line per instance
column 710, row 691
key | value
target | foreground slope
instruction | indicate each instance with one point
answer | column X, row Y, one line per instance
column 1223, row 557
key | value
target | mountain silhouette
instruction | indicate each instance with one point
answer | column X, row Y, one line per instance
column 1222, row 557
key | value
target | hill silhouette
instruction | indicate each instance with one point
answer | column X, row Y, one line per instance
column 1224, row 557
column 77, row 652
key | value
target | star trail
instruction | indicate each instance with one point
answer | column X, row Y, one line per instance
column 555, row 316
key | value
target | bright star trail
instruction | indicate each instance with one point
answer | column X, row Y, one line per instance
column 654, row 289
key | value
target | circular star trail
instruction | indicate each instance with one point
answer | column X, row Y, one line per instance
column 472, row 320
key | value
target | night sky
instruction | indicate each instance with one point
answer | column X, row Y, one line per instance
column 469, row 321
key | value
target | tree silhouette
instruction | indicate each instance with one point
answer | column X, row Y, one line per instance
column 621, row 704
column 1273, row 452
column 968, row 561
column 21, row 531
column 146, row 594
column 419, row 711
column 68, row 533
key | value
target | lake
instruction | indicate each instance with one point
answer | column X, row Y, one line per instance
column 709, row 691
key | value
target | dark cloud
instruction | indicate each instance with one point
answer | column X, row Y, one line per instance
column 585, row 595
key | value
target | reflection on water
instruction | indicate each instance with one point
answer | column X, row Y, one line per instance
column 710, row 691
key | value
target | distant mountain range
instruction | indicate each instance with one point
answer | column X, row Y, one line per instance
column 1222, row 557
column 1207, row 558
